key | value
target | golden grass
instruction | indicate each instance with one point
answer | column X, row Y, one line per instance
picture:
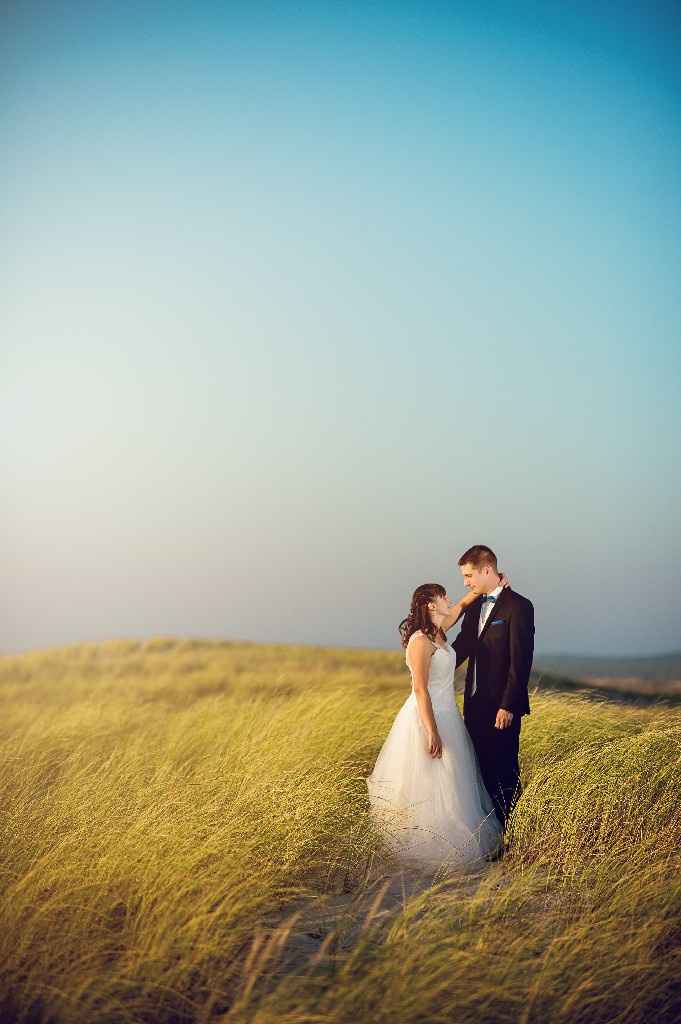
column 179, row 815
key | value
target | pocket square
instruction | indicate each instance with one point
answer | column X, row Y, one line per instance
column 497, row 622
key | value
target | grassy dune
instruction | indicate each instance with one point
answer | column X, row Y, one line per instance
column 185, row 837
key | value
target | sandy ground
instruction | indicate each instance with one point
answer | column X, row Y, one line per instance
column 330, row 925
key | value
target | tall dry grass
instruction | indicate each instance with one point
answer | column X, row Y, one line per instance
column 173, row 811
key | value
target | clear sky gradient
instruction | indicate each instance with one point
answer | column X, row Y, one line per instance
column 302, row 299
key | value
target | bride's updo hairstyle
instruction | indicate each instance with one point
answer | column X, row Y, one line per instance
column 419, row 616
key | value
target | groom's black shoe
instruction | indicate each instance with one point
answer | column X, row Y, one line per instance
column 501, row 850
column 498, row 854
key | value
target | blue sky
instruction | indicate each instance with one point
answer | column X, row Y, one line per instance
column 304, row 299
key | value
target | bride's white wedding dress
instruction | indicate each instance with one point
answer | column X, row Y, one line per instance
column 433, row 811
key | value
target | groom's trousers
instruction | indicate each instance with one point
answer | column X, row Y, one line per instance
column 497, row 752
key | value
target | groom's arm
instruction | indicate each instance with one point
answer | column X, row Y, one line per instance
column 521, row 652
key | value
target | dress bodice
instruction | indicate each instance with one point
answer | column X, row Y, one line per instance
column 440, row 674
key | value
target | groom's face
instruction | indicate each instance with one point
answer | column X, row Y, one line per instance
column 479, row 581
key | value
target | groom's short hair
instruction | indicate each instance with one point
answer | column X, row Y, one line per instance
column 479, row 556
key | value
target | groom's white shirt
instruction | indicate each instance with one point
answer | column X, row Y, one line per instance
column 485, row 612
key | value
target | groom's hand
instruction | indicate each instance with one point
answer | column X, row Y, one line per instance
column 504, row 718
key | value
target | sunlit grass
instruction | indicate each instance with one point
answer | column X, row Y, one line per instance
column 174, row 811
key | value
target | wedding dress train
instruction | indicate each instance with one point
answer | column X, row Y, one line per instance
column 433, row 811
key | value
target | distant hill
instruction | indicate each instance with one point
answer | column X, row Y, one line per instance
column 647, row 678
column 661, row 668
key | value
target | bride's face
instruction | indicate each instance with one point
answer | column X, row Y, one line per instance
column 439, row 607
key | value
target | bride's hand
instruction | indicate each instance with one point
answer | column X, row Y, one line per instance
column 504, row 581
column 434, row 744
column 468, row 599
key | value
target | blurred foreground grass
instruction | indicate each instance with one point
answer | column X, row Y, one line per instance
column 185, row 837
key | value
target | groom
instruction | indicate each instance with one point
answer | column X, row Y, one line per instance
column 497, row 637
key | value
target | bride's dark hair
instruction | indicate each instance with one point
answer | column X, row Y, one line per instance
column 419, row 616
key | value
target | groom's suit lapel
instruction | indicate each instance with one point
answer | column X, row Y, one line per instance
column 499, row 605
column 474, row 613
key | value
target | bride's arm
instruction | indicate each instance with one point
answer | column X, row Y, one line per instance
column 457, row 610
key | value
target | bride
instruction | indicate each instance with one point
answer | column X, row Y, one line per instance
column 426, row 793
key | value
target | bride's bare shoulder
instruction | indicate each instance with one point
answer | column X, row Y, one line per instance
column 419, row 639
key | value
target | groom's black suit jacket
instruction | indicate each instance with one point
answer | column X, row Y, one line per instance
column 502, row 654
